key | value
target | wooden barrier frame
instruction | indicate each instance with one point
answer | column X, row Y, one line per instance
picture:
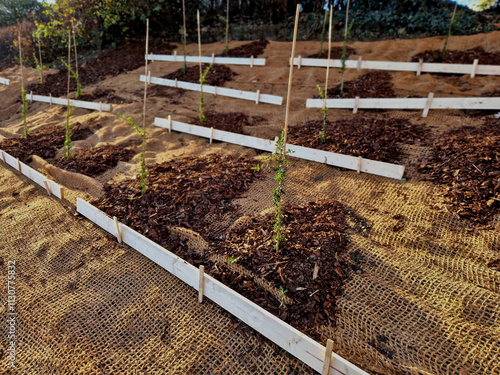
column 417, row 67
column 293, row 341
column 64, row 101
column 4, row 81
column 209, row 59
column 35, row 176
column 338, row 160
column 425, row 104
column 256, row 97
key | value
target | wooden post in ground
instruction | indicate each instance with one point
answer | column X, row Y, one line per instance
column 184, row 33
column 199, row 42
column 146, row 80
column 74, row 44
column 20, row 56
column 329, row 55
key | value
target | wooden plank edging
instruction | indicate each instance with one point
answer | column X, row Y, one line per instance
column 49, row 185
column 330, row 158
column 408, row 103
column 209, row 59
column 293, row 341
column 4, row 81
column 222, row 91
column 403, row 66
column 73, row 102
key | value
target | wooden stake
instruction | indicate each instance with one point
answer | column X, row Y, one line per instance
column 170, row 123
column 199, row 39
column 420, row 64
column 329, row 55
column 146, row 80
column 47, row 187
column 40, row 55
column 474, row 68
column 288, row 96
column 328, row 357
column 20, row 56
column 251, row 61
column 258, row 97
column 117, row 228
column 315, row 271
column 428, row 104
column 69, row 71
column 360, row 162
column 19, row 165
column 184, row 32
column 50, row 98
column 74, row 45
column 356, row 105
column 299, row 63
column 360, row 61
column 211, row 134
column 201, row 285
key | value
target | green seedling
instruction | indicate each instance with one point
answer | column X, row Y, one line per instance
column 24, row 112
column 143, row 136
column 452, row 23
column 324, row 110
column 203, row 80
column 39, row 68
column 69, row 133
column 76, row 78
column 282, row 292
column 232, row 260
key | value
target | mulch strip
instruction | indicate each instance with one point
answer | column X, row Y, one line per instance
column 104, row 95
column 467, row 163
column 336, row 53
column 43, row 142
column 217, row 75
column 459, row 57
column 369, row 85
column 123, row 59
column 190, row 192
column 254, row 49
column 364, row 135
column 315, row 238
column 230, row 122
column 94, row 161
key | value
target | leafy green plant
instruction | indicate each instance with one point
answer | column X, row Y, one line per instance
column 232, row 260
column 75, row 77
column 324, row 110
column 24, row 112
column 143, row 136
column 203, row 80
column 452, row 23
column 69, row 132
column 323, row 31
column 343, row 58
column 282, row 292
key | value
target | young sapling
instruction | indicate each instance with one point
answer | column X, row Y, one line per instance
column 322, row 37
column 282, row 292
column 24, row 100
column 343, row 58
column 324, row 110
column 203, row 80
column 452, row 21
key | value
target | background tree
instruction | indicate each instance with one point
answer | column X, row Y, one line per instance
column 14, row 11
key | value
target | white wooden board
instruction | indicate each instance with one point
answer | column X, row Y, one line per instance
column 207, row 89
column 32, row 174
column 296, row 343
column 210, row 59
column 4, row 81
column 409, row 103
column 402, row 66
column 75, row 103
column 338, row 160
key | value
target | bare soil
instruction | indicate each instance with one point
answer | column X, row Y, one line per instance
column 254, row 49
column 232, row 121
column 459, row 57
column 336, row 53
column 217, row 75
column 370, row 85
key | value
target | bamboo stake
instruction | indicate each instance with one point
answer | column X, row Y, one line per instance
column 69, row 62
column 227, row 26
column 184, row 34
column 40, row 55
column 146, row 80
column 20, row 56
column 199, row 39
column 201, row 284
column 288, row 96
column 74, row 44
column 347, row 19
column 329, row 55
column 328, row 357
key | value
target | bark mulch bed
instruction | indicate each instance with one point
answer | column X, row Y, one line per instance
column 369, row 85
column 44, row 142
column 336, row 53
column 105, row 95
column 363, row 135
column 254, row 49
column 217, row 75
column 230, row 122
column 94, row 161
column 123, row 59
column 467, row 163
column 315, row 239
column 459, row 57
column 191, row 192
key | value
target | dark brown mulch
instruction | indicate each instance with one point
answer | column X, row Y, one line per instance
column 123, row 59
column 467, row 163
column 43, row 142
column 460, row 57
column 217, row 75
column 314, row 238
column 336, row 53
column 369, row 85
column 182, row 193
column 230, row 122
column 363, row 135
column 104, row 95
column 254, row 49
column 94, row 161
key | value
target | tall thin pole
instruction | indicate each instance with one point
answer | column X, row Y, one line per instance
column 184, row 33
column 347, row 19
column 69, row 70
column 146, row 80
column 227, row 26
column 20, row 56
column 74, row 44
column 199, row 38
column 329, row 55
